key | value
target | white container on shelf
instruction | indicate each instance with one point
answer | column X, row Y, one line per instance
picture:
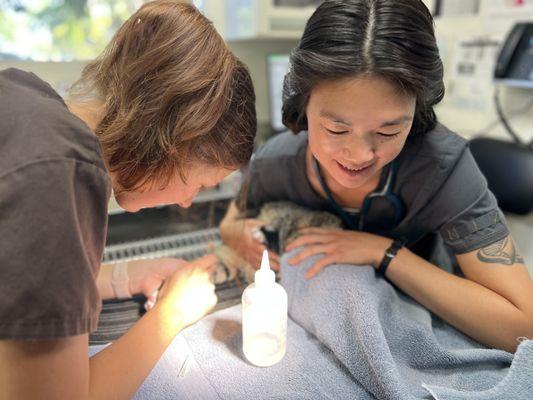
column 255, row 19
column 506, row 8
column 459, row 7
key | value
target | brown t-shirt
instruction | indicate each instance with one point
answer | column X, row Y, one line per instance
column 54, row 191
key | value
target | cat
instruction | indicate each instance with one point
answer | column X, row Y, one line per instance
column 283, row 221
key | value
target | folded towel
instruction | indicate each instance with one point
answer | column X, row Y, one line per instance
column 390, row 344
column 517, row 385
column 351, row 335
column 206, row 362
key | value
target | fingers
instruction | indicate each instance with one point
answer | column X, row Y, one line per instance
column 206, row 262
column 151, row 299
column 255, row 223
column 213, row 300
column 197, row 273
column 308, row 239
column 273, row 256
column 255, row 255
column 257, row 258
column 310, row 251
column 274, row 260
column 180, row 262
column 204, row 277
column 319, row 266
column 258, row 236
column 318, row 231
column 253, row 227
column 274, row 263
column 167, row 266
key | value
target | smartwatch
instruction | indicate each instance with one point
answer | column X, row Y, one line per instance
column 390, row 253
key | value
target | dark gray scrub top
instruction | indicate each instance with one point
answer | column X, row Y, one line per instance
column 437, row 178
column 54, row 190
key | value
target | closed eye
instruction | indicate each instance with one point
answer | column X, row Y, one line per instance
column 388, row 134
column 207, row 186
column 335, row 132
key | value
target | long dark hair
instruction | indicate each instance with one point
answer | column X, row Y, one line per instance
column 392, row 39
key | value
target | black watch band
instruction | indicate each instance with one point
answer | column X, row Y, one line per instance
column 390, row 253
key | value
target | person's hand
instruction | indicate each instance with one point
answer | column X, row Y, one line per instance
column 246, row 241
column 147, row 276
column 338, row 247
column 189, row 293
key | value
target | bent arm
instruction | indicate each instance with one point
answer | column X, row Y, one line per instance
column 103, row 282
column 61, row 369
column 493, row 303
column 231, row 226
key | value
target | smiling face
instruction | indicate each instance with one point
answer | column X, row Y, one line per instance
column 356, row 126
column 176, row 192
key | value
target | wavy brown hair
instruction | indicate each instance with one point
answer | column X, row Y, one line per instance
column 173, row 95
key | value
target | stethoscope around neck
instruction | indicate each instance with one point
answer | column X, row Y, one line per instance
column 382, row 210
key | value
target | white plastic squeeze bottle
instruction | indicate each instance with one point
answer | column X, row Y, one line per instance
column 264, row 318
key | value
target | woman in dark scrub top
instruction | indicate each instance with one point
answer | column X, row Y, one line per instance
column 165, row 110
column 367, row 146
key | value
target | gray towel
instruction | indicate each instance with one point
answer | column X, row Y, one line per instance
column 351, row 336
column 205, row 362
column 392, row 345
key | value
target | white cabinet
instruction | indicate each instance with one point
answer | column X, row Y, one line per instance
column 499, row 8
column 253, row 19
column 459, row 7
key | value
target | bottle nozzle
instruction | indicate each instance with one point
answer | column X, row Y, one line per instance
column 265, row 275
column 265, row 263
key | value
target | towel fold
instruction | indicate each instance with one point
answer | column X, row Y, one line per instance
column 351, row 335
column 390, row 344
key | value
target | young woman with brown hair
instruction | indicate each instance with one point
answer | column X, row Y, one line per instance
column 165, row 110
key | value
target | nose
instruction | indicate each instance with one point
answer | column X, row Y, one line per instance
column 359, row 151
column 186, row 203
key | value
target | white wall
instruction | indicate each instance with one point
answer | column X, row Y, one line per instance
column 254, row 53
column 470, row 118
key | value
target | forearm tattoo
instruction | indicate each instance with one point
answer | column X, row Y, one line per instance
column 502, row 252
